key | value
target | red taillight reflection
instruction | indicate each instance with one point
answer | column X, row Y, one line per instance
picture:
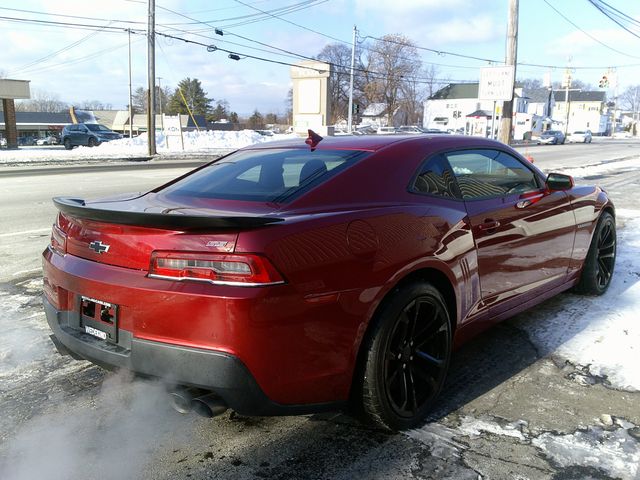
column 58, row 296
column 217, row 268
column 58, row 240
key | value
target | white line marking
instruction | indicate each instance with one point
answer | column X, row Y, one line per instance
column 26, row 232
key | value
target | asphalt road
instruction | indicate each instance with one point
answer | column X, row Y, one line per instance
column 70, row 420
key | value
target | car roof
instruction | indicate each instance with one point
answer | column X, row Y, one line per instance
column 374, row 143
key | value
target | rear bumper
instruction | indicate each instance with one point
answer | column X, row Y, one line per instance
column 220, row 372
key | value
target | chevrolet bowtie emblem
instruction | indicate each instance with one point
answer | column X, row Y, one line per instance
column 98, row 247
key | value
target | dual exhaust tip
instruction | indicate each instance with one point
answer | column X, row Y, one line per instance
column 203, row 402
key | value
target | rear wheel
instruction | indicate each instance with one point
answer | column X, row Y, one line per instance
column 600, row 261
column 67, row 144
column 407, row 357
column 92, row 142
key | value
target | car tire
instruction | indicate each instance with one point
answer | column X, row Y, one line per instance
column 92, row 142
column 599, row 263
column 67, row 144
column 406, row 357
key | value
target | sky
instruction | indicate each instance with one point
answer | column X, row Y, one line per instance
column 78, row 64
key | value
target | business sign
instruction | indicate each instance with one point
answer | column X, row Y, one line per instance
column 172, row 129
column 496, row 83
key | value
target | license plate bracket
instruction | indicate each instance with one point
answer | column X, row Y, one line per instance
column 99, row 319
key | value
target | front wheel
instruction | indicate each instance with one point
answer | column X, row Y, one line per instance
column 597, row 270
column 407, row 357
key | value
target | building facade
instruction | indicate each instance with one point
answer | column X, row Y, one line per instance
column 582, row 111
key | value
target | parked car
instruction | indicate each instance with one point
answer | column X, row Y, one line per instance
column 88, row 134
column 411, row 130
column 265, row 133
column 26, row 141
column 580, row 136
column 553, row 137
column 365, row 130
column 436, row 131
column 299, row 276
column 49, row 140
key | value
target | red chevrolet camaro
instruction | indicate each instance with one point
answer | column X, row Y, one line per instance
column 293, row 277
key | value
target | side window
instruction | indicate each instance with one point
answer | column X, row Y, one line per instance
column 490, row 173
column 436, row 178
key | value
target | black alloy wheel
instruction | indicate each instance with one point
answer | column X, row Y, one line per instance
column 407, row 358
column 606, row 254
column 92, row 142
column 599, row 264
column 67, row 144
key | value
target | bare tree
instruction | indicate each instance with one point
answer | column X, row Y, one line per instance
column 94, row 105
column 41, row 101
column 339, row 56
column 140, row 100
column 630, row 99
column 433, row 80
column 393, row 63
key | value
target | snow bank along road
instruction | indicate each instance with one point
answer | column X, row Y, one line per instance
column 550, row 394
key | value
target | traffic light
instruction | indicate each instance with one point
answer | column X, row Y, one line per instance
column 604, row 82
column 356, row 108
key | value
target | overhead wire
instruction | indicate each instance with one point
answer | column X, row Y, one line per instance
column 588, row 34
column 611, row 16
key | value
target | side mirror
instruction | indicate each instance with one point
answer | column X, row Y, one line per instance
column 558, row 181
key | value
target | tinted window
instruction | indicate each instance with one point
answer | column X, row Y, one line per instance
column 263, row 175
column 95, row 127
column 436, row 178
column 490, row 173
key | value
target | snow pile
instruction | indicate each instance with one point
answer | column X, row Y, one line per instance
column 209, row 141
column 601, row 333
column 613, row 450
column 194, row 141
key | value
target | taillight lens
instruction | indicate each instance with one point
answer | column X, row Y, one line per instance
column 247, row 270
column 58, row 240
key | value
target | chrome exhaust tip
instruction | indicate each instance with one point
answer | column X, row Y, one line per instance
column 209, row 405
column 181, row 398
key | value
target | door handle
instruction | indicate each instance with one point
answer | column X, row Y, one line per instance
column 488, row 225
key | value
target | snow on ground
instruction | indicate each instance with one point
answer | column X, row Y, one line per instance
column 612, row 450
column 601, row 333
column 601, row 168
column 203, row 142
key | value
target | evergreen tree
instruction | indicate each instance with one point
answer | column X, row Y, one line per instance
column 256, row 120
column 194, row 95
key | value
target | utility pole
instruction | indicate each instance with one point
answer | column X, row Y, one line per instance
column 353, row 61
column 151, row 78
column 567, row 86
column 159, row 95
column 130, row 92
column 506, row 135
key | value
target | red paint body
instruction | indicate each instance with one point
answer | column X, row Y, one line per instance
column 342, row 248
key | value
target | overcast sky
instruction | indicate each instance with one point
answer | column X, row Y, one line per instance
column 79, row 64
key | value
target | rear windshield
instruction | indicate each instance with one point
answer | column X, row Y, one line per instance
column 263, row 175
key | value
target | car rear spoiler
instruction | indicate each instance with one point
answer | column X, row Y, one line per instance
column 76, row 207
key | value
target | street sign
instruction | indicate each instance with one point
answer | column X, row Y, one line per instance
column 496, row 83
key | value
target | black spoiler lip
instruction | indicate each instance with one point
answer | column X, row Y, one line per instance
column 76, row 208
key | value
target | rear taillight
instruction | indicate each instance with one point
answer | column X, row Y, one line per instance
column 247, row 270
column 58, row 240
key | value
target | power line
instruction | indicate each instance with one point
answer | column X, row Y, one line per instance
column 611, row 16
column 293, row 23
column 588, row 34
